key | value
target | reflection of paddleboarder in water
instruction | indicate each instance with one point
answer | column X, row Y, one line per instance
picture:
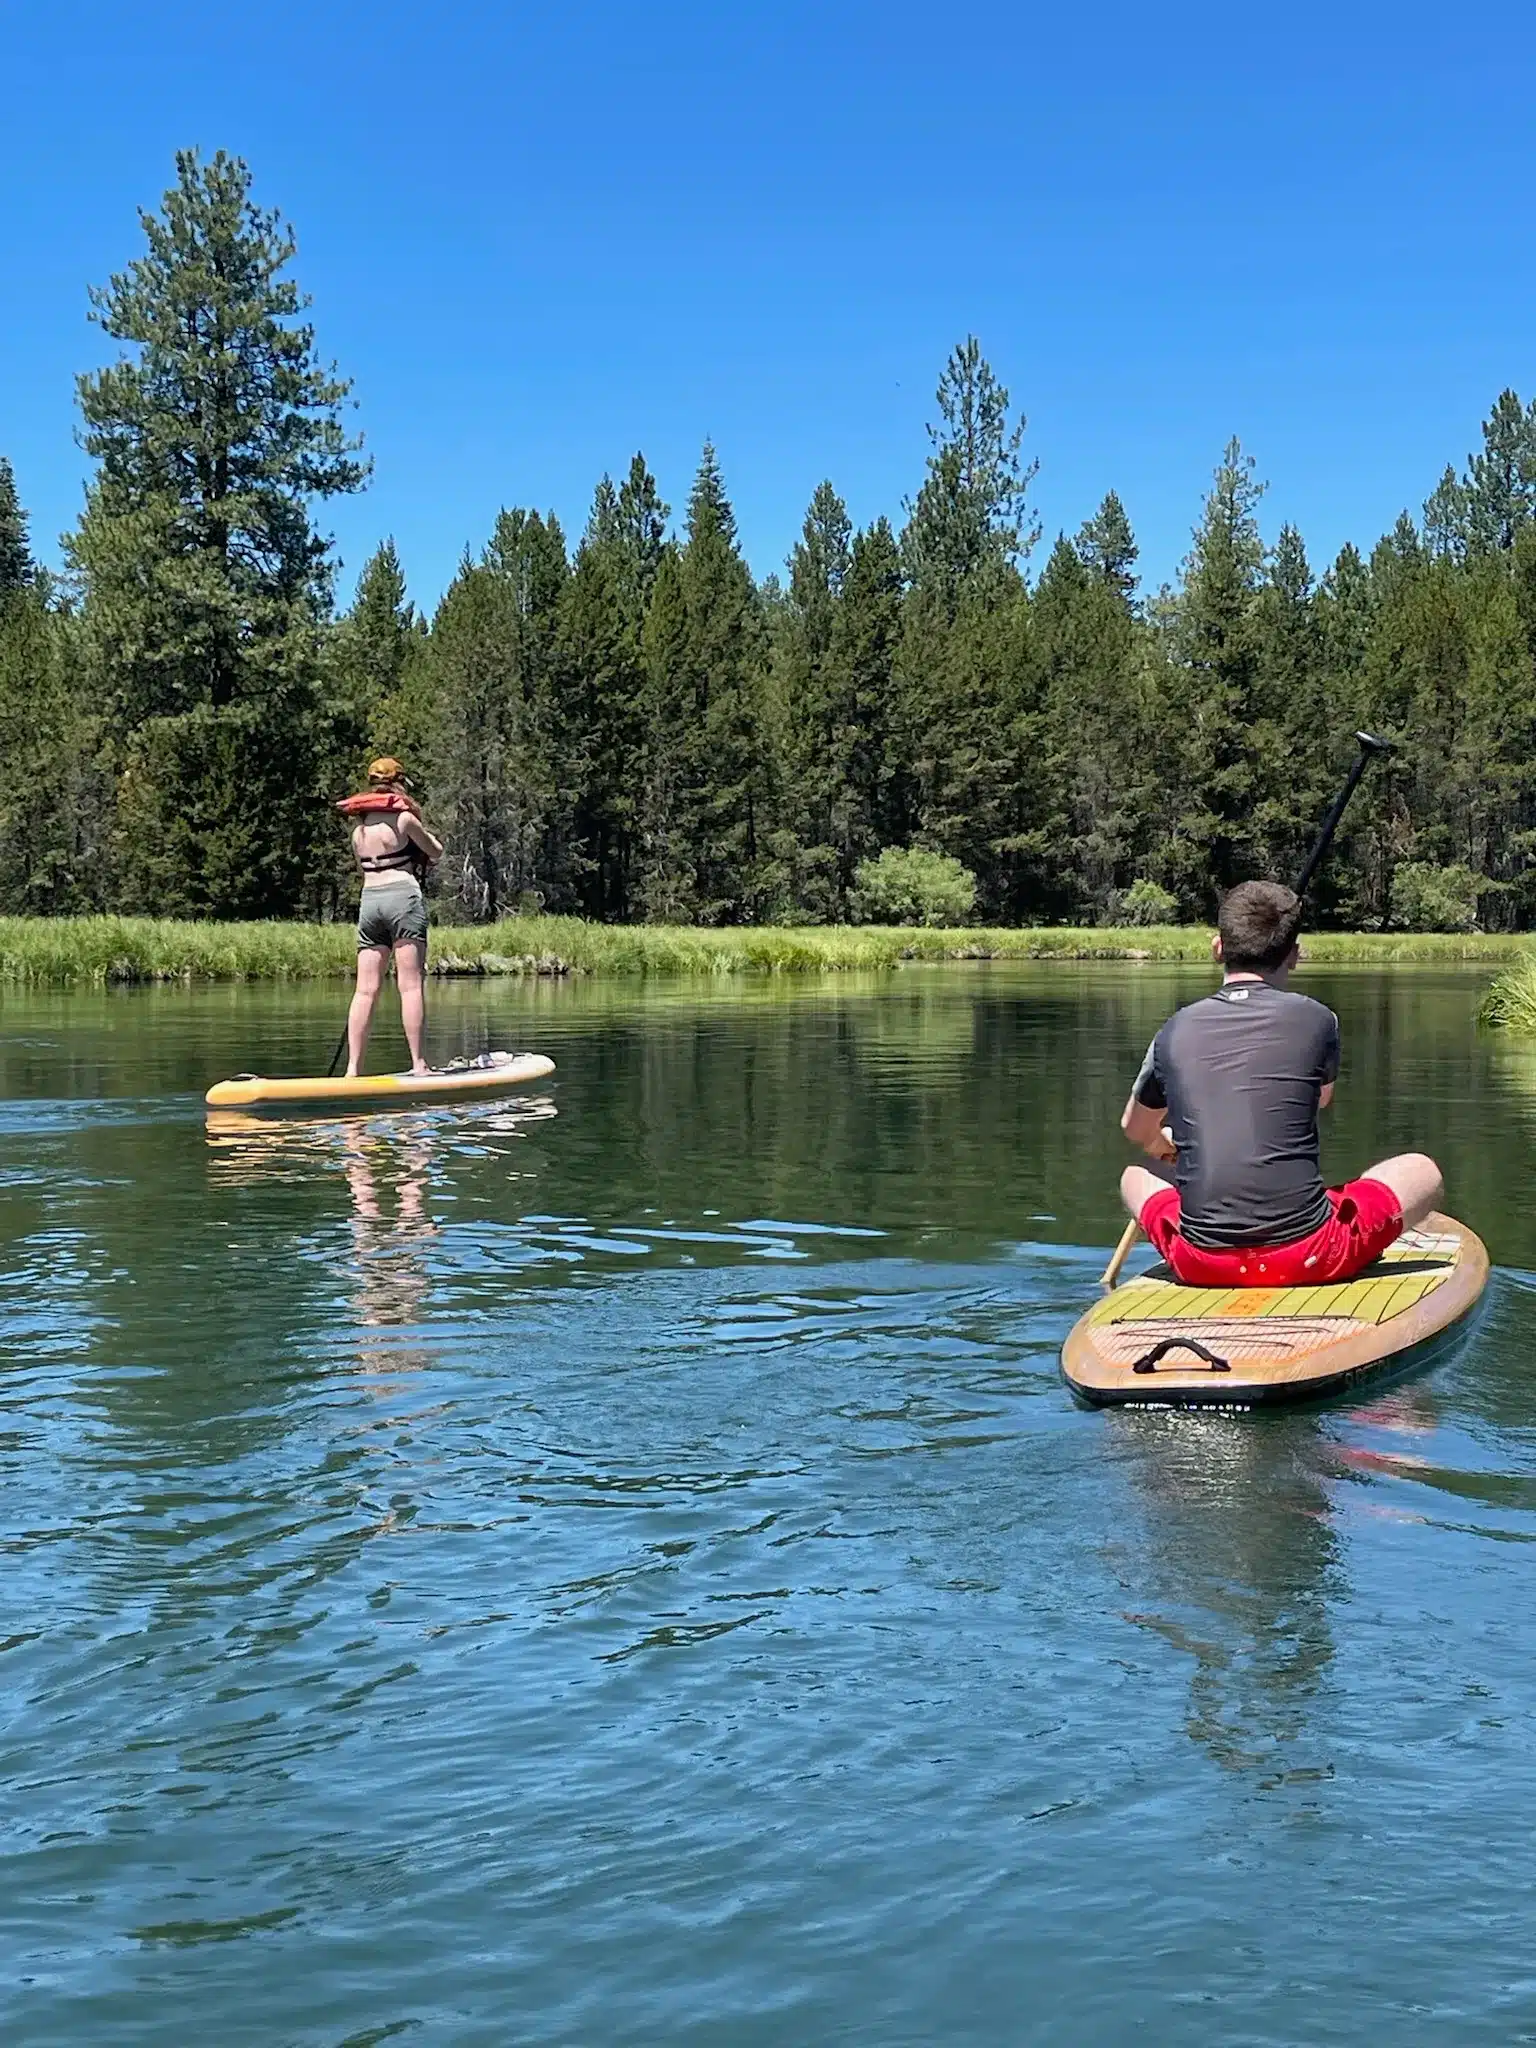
column 394, row 849
column 393, row 1278
column 1236, row 1568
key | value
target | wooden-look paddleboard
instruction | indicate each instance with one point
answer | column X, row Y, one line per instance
column 1137, row 1348
column 498, row 1070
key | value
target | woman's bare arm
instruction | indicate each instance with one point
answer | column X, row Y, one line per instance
column 418, row 834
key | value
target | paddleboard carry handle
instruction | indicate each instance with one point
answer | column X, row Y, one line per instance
column 1148, row 1362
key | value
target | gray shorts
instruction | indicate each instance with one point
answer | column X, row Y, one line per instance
column 394, row 914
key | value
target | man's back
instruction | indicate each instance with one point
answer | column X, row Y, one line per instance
column 1240, row 1073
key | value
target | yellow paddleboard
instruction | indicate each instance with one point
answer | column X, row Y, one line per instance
column 495, row 1070
column 1155, row 1343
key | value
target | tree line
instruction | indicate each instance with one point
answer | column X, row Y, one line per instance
column 635, row 728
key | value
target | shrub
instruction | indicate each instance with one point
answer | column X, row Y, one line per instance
column 1147, row 903
column 910, row 885
column 1430, row 899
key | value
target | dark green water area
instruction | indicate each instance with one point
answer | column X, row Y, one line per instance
column 618, row 1564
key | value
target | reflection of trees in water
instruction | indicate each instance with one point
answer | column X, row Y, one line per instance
column 969, row 1102
column 1239, row 1553
column 1418, row 1075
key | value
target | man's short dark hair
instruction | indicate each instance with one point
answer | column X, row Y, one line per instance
column 1258, row 922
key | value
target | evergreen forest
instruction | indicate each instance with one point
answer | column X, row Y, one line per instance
column 626, row 724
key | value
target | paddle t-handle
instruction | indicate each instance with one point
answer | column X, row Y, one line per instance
column 1370, row 747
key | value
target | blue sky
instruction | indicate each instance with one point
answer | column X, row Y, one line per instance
column 538, row 238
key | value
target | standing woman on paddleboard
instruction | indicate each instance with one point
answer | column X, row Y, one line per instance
column 394, row 849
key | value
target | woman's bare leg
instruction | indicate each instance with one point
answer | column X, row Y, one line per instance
column 371, row 962
column 410, row 973
column 1415, row 1180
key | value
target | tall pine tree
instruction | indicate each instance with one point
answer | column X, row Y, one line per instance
column 1214, row 699
column 16, row 566
column 1108, row 547
column 497, row 775
column 972, row 511
column 1093, row 760
column 205, row 582
column 55, row 783
column 813, row 699
column 735, row 855
column 668, row 887
column 600, row 709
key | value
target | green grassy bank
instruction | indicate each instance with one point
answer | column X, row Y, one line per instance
column 94, row 951
column 1510, row 1005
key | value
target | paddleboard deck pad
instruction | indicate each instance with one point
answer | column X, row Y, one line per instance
column 462, row 1079
column 1154, row 1343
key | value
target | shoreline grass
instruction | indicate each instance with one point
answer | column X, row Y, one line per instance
column 95, row 952
column 1510, row 1005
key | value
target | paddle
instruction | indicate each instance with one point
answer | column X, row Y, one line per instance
column 1370, row 746
column 341, row 1046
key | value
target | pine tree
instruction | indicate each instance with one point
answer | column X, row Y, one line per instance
column 376, row 639
column 1523, row 570
column 55, row 785
column 1448, row 517
column 1092, row 762
column 380, row 698
column 812, row 700
column 1493, row 773
column 601, row 710
column 1108, row 547
column 16, row 566
column 375, row 699
column 668, row 889
column 866, row 636
column 1351, row 886
column 818, row 566
column 1214, row 684
column 965, row 731
column 641, row 517
column 1294, row 723
column 491, row 813
column 205, row 582
column 1484, row 511
column 734, row 851
column 497, row 763
column 1501, row 480
column 972, row 511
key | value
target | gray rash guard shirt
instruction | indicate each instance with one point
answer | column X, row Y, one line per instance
column 1240, row 1074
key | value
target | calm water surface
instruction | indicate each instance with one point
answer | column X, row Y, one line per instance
column 619, row 1565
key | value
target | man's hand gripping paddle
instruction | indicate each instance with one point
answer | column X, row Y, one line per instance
column 1370, row 746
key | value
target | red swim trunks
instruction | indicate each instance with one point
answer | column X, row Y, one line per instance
column 1365, row 1220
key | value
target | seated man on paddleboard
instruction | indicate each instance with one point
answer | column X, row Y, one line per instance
column 1238, row 1078
column 394, row 849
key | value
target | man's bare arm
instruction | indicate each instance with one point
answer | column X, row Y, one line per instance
column 1144, row 1127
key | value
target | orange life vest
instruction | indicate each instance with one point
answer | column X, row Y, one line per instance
column 407, row 857
column 378, row 800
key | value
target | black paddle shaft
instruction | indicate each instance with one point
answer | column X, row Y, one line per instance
column 341, row 1046
column 1369, row 747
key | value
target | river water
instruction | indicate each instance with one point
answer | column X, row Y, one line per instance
column 619, row 1564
